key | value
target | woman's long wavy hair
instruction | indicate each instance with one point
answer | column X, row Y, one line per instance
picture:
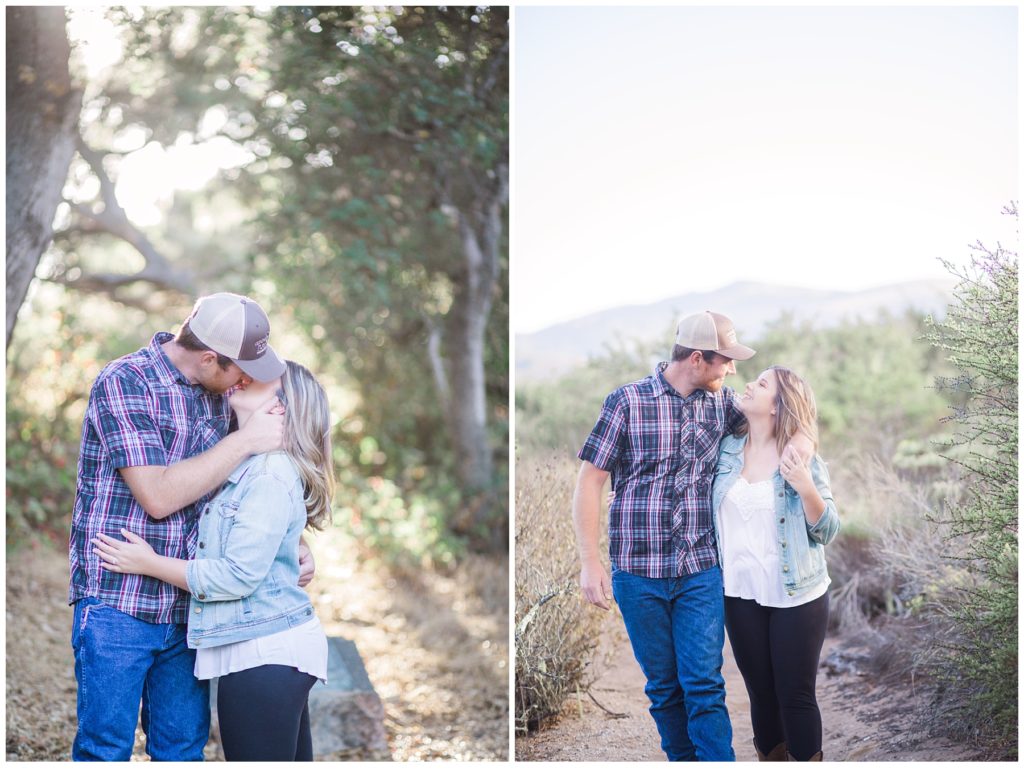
column 795, row 409
column 307, row 440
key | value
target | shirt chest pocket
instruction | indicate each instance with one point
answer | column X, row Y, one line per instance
column 175, row 438
column 183, row 441
column 206, row 432
column 703, row 439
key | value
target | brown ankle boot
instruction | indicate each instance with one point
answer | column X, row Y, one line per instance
column 778, row 754
column 816, row 758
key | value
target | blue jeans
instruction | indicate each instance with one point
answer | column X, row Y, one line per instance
column 676, row 628
column 120, row 661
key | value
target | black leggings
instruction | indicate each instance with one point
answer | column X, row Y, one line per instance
column 777, row 652
column 263, row 714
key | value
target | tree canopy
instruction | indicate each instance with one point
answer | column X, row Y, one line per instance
column 363, row 195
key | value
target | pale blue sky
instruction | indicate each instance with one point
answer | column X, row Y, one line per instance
column 660, row 151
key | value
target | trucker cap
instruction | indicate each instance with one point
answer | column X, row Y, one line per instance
column 708, row 331
column 238, row 328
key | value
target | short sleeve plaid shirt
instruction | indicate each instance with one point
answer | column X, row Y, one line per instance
column 142, row 411
column 661, row 449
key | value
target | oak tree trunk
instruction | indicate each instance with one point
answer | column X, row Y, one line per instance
column 480, row 234
column 42, row 119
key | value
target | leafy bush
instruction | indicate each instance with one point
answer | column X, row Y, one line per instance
column 979, row 337
column 55, row 354
column 41, row 461
column 401, row 522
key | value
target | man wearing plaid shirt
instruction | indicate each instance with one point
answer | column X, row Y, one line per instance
column 155, row 447
column 658, row 440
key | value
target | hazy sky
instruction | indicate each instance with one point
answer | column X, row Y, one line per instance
column 660, row 151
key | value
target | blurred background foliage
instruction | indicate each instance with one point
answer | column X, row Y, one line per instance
column 355, row 184
column 918, row 426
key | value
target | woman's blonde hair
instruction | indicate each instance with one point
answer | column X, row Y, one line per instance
column 307, row 440
column 795, row 409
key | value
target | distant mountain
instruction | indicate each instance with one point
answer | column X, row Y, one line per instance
column 555, row 350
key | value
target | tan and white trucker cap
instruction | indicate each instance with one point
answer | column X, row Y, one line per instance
column 709, row 331
column 238, row 328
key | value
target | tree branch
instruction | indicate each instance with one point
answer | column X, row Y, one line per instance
column 113, row 220
column 110, row 285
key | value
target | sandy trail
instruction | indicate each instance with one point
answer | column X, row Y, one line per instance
column 861, row 721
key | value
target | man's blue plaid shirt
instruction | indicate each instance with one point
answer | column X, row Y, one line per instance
column 661, row 449
column 142, row 411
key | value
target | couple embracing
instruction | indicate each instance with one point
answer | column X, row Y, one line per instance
column 720, row 513
column 204, row 456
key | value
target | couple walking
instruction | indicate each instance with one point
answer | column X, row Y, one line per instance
column 720, row 510
column 185, row 549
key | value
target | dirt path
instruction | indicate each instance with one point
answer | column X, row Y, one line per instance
column 861, row 721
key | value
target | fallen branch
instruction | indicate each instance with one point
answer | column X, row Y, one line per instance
column 609, row 712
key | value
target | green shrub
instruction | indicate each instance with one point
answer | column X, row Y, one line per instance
column 41, row 462
column 979, row 337
column 402, row 522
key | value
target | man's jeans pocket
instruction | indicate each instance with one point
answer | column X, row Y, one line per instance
column 83, row 608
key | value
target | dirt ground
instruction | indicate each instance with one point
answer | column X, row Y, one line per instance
column 862, row 721
column 435, row 647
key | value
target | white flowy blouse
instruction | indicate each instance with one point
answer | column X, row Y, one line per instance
column 750, row 548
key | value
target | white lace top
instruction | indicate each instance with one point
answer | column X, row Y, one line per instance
column 750, row 548
column 303, row 647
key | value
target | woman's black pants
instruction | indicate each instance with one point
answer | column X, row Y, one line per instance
column 777, row 652
column 263, row 714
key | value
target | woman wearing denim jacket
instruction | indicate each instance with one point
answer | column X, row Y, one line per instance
column 773, row 513
column 250, row 623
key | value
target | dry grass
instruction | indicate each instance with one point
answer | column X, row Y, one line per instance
column 556, row 633
column 892, row 575
column 435, row 647
column 880, row 511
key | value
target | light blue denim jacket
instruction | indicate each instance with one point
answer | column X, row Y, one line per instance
column 244, row 578
column 801, row 552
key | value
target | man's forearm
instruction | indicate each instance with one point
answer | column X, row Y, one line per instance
column 586, row 509
column 585, row 521
column 165, row 490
